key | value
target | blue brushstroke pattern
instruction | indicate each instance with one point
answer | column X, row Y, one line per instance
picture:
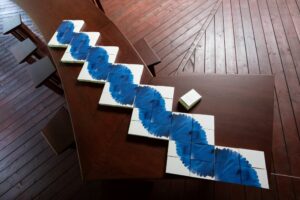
column 191, row 143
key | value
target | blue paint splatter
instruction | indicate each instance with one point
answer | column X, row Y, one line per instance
column 191, row 142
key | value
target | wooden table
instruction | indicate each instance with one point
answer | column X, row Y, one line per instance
column 242, row 105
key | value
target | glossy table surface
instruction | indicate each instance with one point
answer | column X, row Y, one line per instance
column 242, row 105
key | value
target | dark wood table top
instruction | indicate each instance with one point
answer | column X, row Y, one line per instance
column 242, row 105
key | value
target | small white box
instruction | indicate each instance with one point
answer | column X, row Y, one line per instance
column 190, row 99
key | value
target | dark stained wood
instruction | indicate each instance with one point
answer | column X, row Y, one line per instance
column 58, row 132
column 233, row 91
column 140, row 19
column 95, row 162
column 148, row 54
column 98, row 4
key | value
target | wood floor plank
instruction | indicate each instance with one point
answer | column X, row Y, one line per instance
column 241, row 56
column 261, row 36
column 23, row 160
column 231, row 65
column 199, row 35
column 183, row 16
column 289, row 122
column 200, row 56
column 15, row 130
column 25, row 109
column 172, row 33
column 41, row 172
column 295, row 14
column 21, row 142
column 190, row 33
column 260, row 41
column 160, row 19
column 251, row 51
column 280, row 154
column 56, row 172
column 59, row 184
column 210, row 66
column 220, row 42
column 14, row 178
column 285, row 188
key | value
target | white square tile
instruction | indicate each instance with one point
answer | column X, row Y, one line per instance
column 231, row 148
column 68, row 58
column 261, row 175
column 172, row 148
column 54, row 43
column 185, row 127
column 186, row 114
column 218, row 157
column 169, row 104
column 157, row 137
column 210, row 136
column 78, row 24
column 137, row 128
column 135, row 115
column 108, row 100
column 255, row 158
column 263, row 178
column 206, row 121
column 201, row 177
column 112, row 52
column 165, row 91
column 93, row 37
column 136, row 70
column 168, row 101
column 84, row 74
column 175, row 166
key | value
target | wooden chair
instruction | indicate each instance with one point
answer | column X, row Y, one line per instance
column 98, row 4
column 43, row 73
column 23, row 51
column 147, row 54
column 19, row 30
column 59, row 132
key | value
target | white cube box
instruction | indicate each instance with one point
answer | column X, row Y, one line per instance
column 190, row 99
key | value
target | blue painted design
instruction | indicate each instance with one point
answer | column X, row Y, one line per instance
column 98, row 66
column 198, row 133
column 65, row 32
column 202, row 168
column 249, row 177
column 203, row 152
column 227, row 166
column 80, row 46
column 191, row 143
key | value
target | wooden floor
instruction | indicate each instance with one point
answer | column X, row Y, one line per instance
column 201, row 36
